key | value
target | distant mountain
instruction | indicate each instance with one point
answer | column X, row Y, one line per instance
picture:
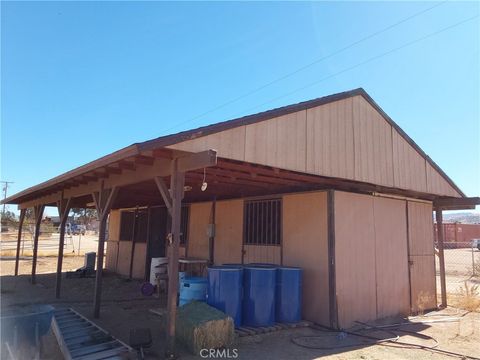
column 464, row 217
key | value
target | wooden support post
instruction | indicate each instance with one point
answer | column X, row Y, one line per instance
column 441, row 255
column 103, row 202
column 19, row 239
column 63, row 207
column 134, row 235
column 38, row 213
column 173, row 200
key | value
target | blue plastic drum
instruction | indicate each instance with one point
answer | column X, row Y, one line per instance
column 259, row 295
column 192, row 288
column 225, row 290
column 288, row 306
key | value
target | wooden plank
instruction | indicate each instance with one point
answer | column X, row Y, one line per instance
column 177, row 188
column 198, row 241
column 103, row 201
column 197, row 160
column 391, row 258
column 409, row 165
column 162, row 187
column 354, row 258
column 228, row 231
column 38, row 213
column 330, row 140
column 63, row 207
column 420, row 223
column 305, row 244
column 372, row 144
column 19, row 239
column 278, row 142
column 441, row 255
column 229, row 143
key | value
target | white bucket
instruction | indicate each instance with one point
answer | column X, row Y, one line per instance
column 154, row 270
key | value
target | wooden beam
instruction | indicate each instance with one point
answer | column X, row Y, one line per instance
column 162, row 187
column 145, row 160
column 177, row 182
column 162, row 153
column 332, row 297
column 63, row 207
column 197, row 161
column 134, row 236
column 126, row 165
column 441, row 255
column 38, row 212
column 456, row 202
column 103, row 199
column 113, row 170
column 19, row 239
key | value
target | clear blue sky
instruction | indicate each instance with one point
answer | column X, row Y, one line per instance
column 82, row 79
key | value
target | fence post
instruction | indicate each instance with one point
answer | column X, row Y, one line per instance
column 473, row 260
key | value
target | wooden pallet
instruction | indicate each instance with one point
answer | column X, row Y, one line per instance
column 249, row 331
column 81, row 339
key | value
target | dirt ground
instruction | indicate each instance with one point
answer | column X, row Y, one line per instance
column 124, row 307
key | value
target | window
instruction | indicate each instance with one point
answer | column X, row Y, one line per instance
column 262, row 224
column 127, row 220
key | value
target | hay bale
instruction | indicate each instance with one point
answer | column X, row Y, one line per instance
column 200, row 326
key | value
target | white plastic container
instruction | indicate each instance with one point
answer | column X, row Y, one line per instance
column 157, row 270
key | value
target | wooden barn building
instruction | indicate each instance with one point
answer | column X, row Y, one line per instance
column 331, row 185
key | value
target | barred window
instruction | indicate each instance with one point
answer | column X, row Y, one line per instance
column 263, row 222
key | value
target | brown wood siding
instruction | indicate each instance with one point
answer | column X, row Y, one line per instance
column 391, row 257
column 372, row 144
column 124, row 254
column 305, row 244
column 138, row 271
column 346, row 138
column 330, row 140
column 111, row 257
column 420, row 224
column 436, row 184
column 409, row 165
column 197, row 230
column 114, row 225
column 355, row 258
column 229, row 143
column 278, row 142
column 229, row 232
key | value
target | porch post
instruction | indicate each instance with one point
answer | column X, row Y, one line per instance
column 19, row 239
column 103, row 202
column 38, row 212
column 63, row 206
column 441, row 255
column 176, row 185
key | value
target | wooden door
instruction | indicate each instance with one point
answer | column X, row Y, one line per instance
column 421, row 257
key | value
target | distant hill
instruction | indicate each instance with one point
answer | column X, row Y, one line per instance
column 465, row 217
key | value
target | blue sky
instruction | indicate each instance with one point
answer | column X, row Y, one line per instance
column 82, row 79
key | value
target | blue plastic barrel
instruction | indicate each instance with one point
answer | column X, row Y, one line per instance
column 288, row 307
column 224, row 292
column 192, row 288
column 259, row 295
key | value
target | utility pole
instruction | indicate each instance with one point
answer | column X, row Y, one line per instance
column 5, row 188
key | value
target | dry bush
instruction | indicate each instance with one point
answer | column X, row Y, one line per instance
column 468, row 297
